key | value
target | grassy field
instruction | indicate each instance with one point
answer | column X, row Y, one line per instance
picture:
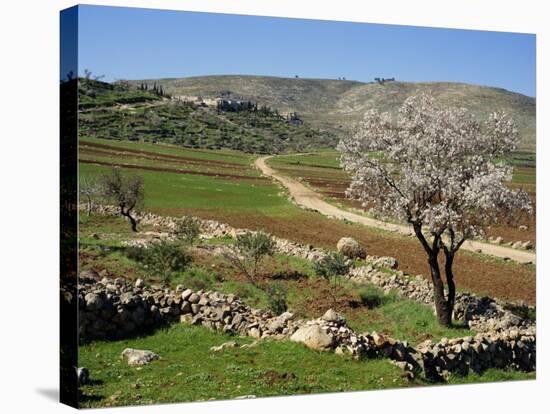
column 308, row 295
column 189, row 371
column 223, row 185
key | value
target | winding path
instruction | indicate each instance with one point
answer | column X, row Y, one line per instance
column 307, row 198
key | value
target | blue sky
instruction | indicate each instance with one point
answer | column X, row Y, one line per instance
column 131, row 43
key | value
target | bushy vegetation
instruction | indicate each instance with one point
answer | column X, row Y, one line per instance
column 94, row 94
column 188, row 230
column 164, row 259
column 332, row 267
column 248, row 253
column 147, row 117
column 276, row 294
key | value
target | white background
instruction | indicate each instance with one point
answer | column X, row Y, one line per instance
column 29, row 203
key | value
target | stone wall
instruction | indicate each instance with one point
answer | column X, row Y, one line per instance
column 116, row 309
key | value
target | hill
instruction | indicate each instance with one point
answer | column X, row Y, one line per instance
column 334, row 105
column 124, row 112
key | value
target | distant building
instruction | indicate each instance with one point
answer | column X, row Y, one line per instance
column 381, row 81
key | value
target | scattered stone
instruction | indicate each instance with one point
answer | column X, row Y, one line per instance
column 225, row 345
column 139, row 356
column 517, row 245
column 527, row 245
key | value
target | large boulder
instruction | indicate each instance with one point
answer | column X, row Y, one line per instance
column 313, row 336
column 332, row 316
column 139, row 356
column 351, row 248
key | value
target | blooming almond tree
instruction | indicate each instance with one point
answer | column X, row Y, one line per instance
column 441, row 171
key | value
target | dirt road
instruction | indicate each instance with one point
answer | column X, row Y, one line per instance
column 307, row 198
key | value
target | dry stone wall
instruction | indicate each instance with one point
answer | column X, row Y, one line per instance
column 116, row 309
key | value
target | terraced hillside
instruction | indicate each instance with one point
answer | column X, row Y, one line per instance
column 335, row 104
column 120, row 112
column 223, row 185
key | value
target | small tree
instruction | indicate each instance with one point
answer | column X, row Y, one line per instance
column 438, row 169
column 165, row 259
column 126, row 191
column 89, row 189
column 188, row 230
column 332, row 267
column 248, row 252
column 276, row 297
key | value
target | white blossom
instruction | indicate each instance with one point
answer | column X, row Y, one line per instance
column 435, row 167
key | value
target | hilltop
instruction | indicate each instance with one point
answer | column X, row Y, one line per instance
column 333, row 105
column 122, row 111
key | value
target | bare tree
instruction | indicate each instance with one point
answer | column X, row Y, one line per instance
column 89, row 189
column 126, row 191
column 440, row 170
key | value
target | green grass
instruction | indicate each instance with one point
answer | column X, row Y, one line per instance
column 189, row 371
column 182, row 192
column 387, row 313
column 493, row 375
column 402, row 319
column 168, row 121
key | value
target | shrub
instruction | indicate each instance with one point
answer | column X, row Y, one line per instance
column 249, row 251
column 276, row 297
column 135, row 253
column 198, row 279
column 188, row 230
column 332, row 265
column 373, row 297
column 165, row 259
column 126, row 191
column 331, row 268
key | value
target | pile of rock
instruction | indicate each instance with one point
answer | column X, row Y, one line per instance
column 484, row 314
column 116, row 309
column 330, row 332
column 512, row 349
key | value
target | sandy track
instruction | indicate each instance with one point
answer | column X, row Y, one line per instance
column 307, row 198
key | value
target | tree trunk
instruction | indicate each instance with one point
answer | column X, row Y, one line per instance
column 442, row 310
column 128, row 215
column 451, row 295
column 133, row 222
